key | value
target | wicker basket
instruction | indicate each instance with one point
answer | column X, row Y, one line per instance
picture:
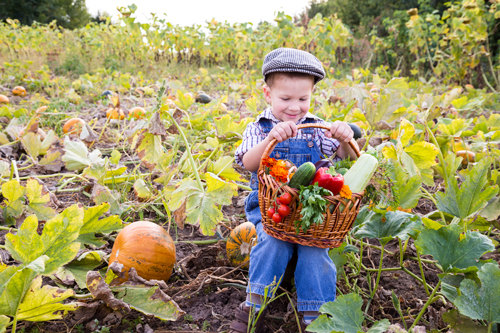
column 330, row 233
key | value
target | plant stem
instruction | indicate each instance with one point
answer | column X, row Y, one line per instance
column 429, row 301
column 422, row 272
column 430, row 197
column 3, row 247
column 440, row 153
column 490, row 327
column 203, row 242
column 8, row 228
column 368, row 140
column 248, row 188
column 14, row 166
column 216, row 149
column 378, row 279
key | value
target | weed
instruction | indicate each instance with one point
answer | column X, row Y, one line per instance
column 188, row 317
column 205, row 326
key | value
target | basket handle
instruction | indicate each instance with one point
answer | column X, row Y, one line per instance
column 274, row 142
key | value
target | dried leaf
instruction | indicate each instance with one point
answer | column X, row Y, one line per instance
column 156, row 126
column 100, row 290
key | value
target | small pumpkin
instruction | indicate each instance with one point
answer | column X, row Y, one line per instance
column 138, row 112
column 41, row 109
column 40, row 132
column 107, row 93
column 115, row 113
column 240, row 242
column 19, row 91
column 467, row 156
column 73, row 126
column 4, row 99
column 203, row 98
column 148, row 248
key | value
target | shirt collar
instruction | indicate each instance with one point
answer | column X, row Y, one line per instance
column 268, row 114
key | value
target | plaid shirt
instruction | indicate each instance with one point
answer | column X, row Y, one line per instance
column 254, row 134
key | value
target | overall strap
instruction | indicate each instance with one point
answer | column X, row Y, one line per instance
column 266, row 125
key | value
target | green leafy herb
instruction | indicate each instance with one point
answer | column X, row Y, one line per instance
column 313, row 206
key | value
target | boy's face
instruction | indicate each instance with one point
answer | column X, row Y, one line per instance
column 290, row 98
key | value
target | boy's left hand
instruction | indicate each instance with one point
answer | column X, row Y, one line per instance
column 341, row 131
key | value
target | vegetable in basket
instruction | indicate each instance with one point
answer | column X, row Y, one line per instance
column 329, row 179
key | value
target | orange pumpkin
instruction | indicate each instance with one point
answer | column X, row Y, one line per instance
column 138, row 112
column 147, row 247
column 19, row 91
column 240, row 242
column 73, row 126
column 4, row 99
column 115, row 113
column 467, row 156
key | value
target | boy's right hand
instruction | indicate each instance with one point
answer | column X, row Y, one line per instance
column 283, row 131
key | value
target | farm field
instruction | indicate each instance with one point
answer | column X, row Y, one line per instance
column 157, row 124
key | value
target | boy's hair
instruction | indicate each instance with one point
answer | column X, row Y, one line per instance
column 272, row 77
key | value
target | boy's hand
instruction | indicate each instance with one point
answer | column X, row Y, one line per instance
column 283, row 131
column 341, row 131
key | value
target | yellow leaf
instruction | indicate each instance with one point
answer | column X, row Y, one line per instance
column 423, row 154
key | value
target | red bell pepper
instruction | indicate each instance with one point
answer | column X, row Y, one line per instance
column 329, row 179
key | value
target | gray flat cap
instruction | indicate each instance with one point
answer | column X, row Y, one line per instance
column 293, row 60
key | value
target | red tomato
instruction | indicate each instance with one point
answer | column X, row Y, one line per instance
column 276, row 218
column 278, row 201
column 284, row 210
column 286, row 198
column 270, row 212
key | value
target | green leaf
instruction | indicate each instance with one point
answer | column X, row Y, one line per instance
column 77, row 269
column 384, row 110
column 184, row 101
column 454, row 127
column 38, row 199
column 150, row 301
column 398, row 84
column 454, row 251
column 338, row 258
column 115, row 157
column 218, row 187
column 149, row 149
column 224, row 168
column 142, row 190
column 14, row 283
column 77, row 156
column 481, row 302
column 462, row 324
column 471, row 197
column 32, row 144
column 13, row 193
column 4, row 323
column 226, row 125
column 56, row 241
column 92, row 224
column 345, row 316
column 44, row 303
column 202, row 208
column 492, row 210
column 394, row 224
column 423, row 154
column 406, row 190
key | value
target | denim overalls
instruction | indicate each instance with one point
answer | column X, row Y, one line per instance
column 315, row 275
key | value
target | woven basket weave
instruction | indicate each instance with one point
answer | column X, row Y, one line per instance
column 328, row 234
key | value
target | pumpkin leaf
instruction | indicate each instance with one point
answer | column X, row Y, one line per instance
column 52, row 161
column 4, row 323
column 115, row 157
column 151, row 301
column 201, row 207
column 92, row 224
column 454, row 251
column 454, row 127
column 47, row 142
column 14, row 283
column 384, row 110
column 13, row 193
column 492, row 210
column 77, row 156
column 462, row 324
column 408, row 131
column 101, row 194
column 32, row 144
column 149, row 149
column 398, row 84
column 142, row 190
column 77, row 269
column 481, row 301
column 385, row 228
column 224, row 169
column 184, row 101
column 406, row 190
column 56, row 241
column 226, row 125
column 471, row 197
column 38, row 198
column 44, row 303
column 345, row 315
column 423, row 154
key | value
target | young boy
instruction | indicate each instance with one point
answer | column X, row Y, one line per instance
column 290, row 77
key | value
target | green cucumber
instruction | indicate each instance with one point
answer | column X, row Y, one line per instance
column 303, row 176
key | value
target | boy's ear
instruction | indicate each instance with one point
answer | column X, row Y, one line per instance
column 267, row 93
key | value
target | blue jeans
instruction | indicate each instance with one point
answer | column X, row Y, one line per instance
column 315, row 275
